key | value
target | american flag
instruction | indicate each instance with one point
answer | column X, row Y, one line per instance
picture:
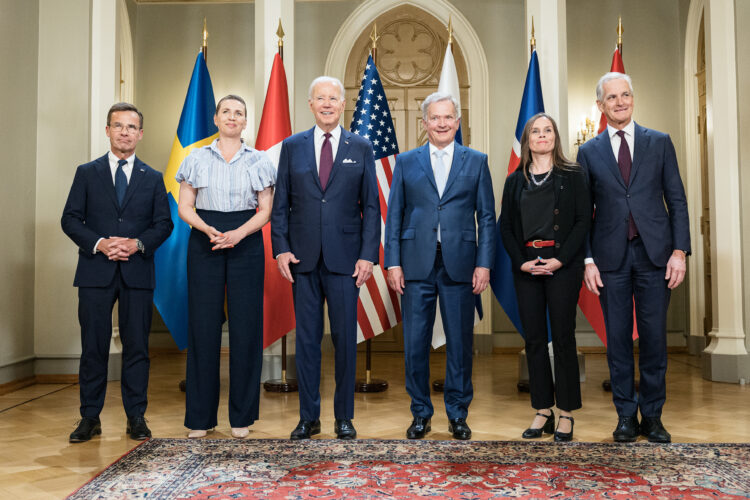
column 378, row 308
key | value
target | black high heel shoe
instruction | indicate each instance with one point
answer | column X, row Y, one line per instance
column 565, row 436
column 548, row 428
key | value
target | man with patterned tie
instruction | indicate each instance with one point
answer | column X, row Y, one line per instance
column 117, row 214
column 325, row 231
column 440, row 241
column 637, row 248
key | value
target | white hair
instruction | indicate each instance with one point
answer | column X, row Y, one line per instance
column 609, row 77
column 437, row 97
column 325, row 79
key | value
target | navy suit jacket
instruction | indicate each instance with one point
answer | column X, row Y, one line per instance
column 341, row 221
column 415, row 209
column 92, row 212
column 655, row 197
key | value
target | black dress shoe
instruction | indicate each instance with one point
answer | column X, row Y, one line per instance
column 87, row 428
column 459, row 428
column 137, row 428
column 564, row 436
column 418, row 428
column 305, row 429
column 548, row 428
column 654, row 430
column 627, row 430
column 344, row 428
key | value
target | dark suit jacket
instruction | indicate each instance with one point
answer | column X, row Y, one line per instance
column 655, row 197
column 343, row 221
column 415, row 209
column 92, row 212
column 571, row 217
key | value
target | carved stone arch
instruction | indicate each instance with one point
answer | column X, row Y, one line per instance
column 410, row 53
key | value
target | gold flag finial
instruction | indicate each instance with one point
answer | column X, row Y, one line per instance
column 280, row 34
column 533, row 40
column 204, row 48
column 620, row 31
column 374, row 36
column 450, row 30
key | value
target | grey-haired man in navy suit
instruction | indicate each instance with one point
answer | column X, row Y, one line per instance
column 117, row 214
column 638, row 243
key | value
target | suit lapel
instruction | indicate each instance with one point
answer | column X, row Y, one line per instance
column 309, row 147
column 424, row 161
column 341, row 152
column 139, row 171
column 459, row 155
column 105, row 176
column 642, row 141
column 604, row 147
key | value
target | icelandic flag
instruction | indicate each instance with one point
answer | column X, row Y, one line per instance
column 196, row 129
column 501, row 278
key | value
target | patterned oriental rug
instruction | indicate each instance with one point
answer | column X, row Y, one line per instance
column 369, row 469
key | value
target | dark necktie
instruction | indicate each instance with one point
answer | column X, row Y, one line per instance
column 625, row 162
column 121, row 181
column 326, row 161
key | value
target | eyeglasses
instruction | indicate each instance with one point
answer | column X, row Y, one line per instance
column 119, row 127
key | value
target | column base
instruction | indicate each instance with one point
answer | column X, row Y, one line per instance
column 696, row 344
column 731, row 368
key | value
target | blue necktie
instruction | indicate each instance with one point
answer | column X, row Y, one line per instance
column 121, row 181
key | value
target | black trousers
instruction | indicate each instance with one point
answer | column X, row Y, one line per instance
column 239, row 271
column 558, row 295
column 95, row 316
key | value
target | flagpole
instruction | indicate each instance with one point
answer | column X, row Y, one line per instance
column 369, row 384
column 620, row 31
column 284, row 384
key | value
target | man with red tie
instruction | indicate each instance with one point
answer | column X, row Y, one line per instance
column 325, row 231
column 637, row 247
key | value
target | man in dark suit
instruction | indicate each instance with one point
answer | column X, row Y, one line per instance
column 325, row 231
column 441, row 195
column 638, row 243
column 118, row 215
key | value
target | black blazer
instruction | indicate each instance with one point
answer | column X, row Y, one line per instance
column 571, row 216
column 92, row 212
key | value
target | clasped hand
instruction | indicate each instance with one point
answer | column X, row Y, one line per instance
column 227, row 239
column 541, row 267
column 117, row 247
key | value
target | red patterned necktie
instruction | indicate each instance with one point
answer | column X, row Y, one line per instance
column 625, row 162
column 326, row 161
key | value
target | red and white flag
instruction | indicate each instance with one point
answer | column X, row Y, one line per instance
column 275, row 126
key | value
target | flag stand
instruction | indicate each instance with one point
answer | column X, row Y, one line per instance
column 370, row 384
column 283, row 384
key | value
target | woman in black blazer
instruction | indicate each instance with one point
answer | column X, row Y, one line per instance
column 545, row 219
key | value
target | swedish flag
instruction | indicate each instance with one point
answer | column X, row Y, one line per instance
column 196, row 129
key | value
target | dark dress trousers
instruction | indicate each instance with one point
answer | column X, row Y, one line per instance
column 328, row 230
column 557, row 294
column 634, row 269
column 92, row 212
column 466, row 216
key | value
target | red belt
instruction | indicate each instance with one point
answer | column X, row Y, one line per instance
column 540, row 243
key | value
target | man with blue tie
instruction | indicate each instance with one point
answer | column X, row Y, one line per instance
column 117, row 214
column 638, row 243
column 440, row 241
column 325, row 231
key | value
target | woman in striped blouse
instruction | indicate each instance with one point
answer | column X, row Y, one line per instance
column 226, row 194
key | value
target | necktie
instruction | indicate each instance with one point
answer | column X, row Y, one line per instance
column 625, row 162
column 121, row 181
column 326, row 161
column 440, row 177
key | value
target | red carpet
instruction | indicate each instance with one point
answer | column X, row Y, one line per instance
column 369, row 469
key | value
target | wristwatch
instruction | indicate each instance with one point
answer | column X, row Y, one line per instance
column 140, row 246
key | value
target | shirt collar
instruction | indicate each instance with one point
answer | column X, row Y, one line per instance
column 629, row 130
column 448, row 149
column 335, row 133
column 114, row 159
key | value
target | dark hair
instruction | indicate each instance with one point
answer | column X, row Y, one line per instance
column 559, row 161
column 124, row 106
column 231, row 97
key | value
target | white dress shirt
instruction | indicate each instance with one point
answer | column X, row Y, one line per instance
column 447, row 157
column 127, row 168
column 319, row 136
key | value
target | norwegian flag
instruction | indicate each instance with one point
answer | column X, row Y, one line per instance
column 378, row 308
